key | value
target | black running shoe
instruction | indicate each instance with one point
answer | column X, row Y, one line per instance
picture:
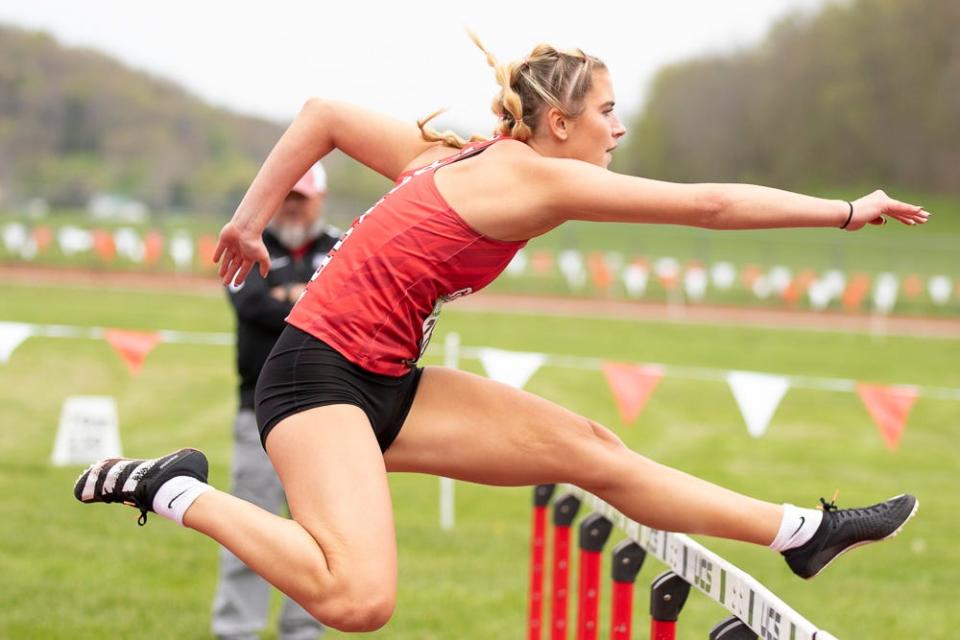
column 135, row 482
column 845, row 529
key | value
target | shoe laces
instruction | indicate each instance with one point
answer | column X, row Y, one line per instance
column 827, row 507
column 843, row 514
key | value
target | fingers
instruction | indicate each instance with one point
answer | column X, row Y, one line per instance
column 230, row 266
column 907, row 214
column 242, row 273
column 218, row 252
column 913, row 217
column 224, row 264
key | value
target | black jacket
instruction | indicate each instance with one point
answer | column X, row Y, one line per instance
column 260, row 317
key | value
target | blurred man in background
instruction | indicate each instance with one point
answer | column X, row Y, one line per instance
column 297, row 239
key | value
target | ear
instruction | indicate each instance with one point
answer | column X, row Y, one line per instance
column 557, row 124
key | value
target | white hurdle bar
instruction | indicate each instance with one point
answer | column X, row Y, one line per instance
column 731, row 587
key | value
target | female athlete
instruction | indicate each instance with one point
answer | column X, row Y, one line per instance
column 341, row 400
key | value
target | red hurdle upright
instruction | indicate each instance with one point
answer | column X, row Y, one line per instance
column 668, row 593
column 627, row 559
column 564, row 511
column 541, row 498
column 594, row 531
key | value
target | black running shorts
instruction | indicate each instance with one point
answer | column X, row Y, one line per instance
column 303, row 372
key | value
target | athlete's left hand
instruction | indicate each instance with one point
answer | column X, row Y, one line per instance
column 874, row 208
column 237, row 251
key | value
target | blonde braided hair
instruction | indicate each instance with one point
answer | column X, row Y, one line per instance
column 546, row 78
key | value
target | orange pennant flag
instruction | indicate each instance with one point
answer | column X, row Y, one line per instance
column 133, row 346
column 153, row 247
column 43, row 236
column 912, row 286
column 856, row 291
column 542, row 262
column 631, row 386
column 104, row 246
column 798, row 287
column 206, row 247
column 599, row 271
column 889, row 407
column 750, row 273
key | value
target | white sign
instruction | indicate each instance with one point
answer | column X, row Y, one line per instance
column 88, row 431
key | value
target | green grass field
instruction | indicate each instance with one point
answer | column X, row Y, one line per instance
column 73, row 571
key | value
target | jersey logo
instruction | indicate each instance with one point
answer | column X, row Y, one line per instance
column 431, row 322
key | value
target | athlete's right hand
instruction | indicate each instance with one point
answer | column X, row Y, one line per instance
column 237, row 251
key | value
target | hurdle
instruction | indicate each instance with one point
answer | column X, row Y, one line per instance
column 756, row 611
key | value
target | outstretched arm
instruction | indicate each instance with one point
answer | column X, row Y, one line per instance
column 382, row 143
column 574, row 190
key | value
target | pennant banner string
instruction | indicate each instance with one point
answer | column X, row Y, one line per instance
column 474, row 353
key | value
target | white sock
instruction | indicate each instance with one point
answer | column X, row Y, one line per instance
column 175, row 496
column 796, row 528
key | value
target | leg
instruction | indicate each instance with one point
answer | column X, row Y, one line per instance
column 337, row 556
column 242, row 600
column 467, row 427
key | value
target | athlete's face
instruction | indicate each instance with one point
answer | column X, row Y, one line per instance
column 593, row 135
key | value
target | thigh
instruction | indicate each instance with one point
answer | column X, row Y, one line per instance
column 468, row 427
column 333, row 474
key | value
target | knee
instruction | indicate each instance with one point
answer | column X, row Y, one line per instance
column 365, row 615
column 356, row 612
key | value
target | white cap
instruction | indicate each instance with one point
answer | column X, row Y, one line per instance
column 313, row 182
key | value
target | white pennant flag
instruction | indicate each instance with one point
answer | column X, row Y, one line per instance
column 518, row 264
column 695, row 283
column 635, row 279
column 571, row 266
column 11, row 335
column 14, row 237
column 511, row 367
column 757, row 395
column 820, row 293
column 939, row 288
column 779, row 278
column 129, row 244
column 885, row 292
column 73, row 240
column 723, row 275
column 181, row 250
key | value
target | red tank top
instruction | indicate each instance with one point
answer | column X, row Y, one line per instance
column 376, row 296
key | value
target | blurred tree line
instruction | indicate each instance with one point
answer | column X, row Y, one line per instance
column 74, row 122
column 861, row 92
